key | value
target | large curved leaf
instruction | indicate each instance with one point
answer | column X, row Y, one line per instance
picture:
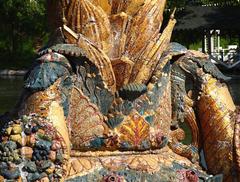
column 46, row 71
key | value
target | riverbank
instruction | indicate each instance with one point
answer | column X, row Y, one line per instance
column 7, row 72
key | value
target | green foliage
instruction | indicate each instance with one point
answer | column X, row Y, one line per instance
column 195, row 45
column 229, row 40
column 181, row 3
column 221, row 2
column 23, row 27
column 189, row 38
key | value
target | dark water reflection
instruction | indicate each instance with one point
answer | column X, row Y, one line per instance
column 10, row 89
column 234, row 87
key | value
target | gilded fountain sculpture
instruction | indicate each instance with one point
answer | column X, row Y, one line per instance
column 107, row 100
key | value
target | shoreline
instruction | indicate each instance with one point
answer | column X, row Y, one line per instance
column 7, row 72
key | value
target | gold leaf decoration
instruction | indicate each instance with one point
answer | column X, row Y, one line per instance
column 134, row 130
column 40, row 102
column 85, row 120
column 146, row 63
column 144, row 25
column 122, row 69
column 91, row 21
column 106, row 5
column 215, row 116
column 94, row 55
column 131, row 7
column 101, row 60
column 119, row 24
column 129, row 32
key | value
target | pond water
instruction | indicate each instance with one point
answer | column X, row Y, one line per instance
column 234, row 87
column 10, row 89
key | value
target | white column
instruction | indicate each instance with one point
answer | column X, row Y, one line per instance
column 212, row 42
column 218, row 40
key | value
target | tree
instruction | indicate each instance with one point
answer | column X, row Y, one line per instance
column 182, row 3
column 22, row 23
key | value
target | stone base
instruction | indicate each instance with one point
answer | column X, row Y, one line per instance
column 160, row 165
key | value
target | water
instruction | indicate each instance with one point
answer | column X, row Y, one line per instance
column 10, row 89
column 234, row 87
